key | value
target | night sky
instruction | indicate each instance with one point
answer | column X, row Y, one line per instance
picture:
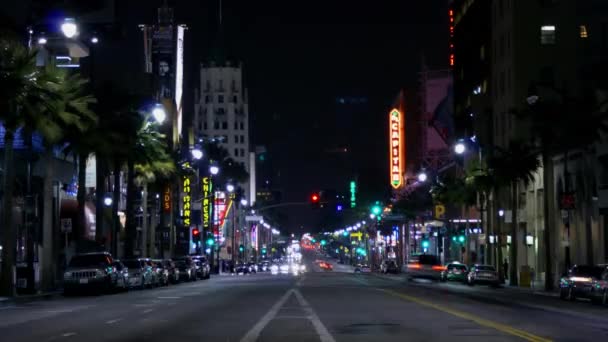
column 299, row 58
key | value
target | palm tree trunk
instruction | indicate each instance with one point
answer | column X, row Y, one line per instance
column 547, row 226
column 81, row 230
column 47, row 276
column 115, row 205
column 100, row 191
column 144, row 225
column 129, row 210
column 514, row 235
column 7, row 281
column 152, row 238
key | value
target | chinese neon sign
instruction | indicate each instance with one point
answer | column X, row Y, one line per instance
column 207, row 188
column 187, row 213
column 353, row 194
column 167, row 199
column 396, row 148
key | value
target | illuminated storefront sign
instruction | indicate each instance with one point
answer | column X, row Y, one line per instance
column 396, row 147
column 187, row 201
column 219, row 213
column 167, row 199
column 179, row 75
column 207, row 200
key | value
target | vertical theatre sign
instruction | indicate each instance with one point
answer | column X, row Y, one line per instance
column 207, row 188
column 396, row 142
column 167, row 199
column 187, row 201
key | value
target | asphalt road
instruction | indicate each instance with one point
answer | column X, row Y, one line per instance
column 317, row 306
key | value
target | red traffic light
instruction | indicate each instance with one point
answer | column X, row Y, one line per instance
column 314, row 198
column 195, row 232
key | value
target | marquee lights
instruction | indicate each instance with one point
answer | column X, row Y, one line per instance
column 396, row 148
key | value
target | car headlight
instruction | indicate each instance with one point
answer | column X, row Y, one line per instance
column 67, row 275
column 284, row 268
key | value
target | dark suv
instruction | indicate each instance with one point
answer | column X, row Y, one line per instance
column 90, row 271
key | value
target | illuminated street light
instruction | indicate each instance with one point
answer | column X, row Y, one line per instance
column 501, row 213
column 422, row 177
column 42, row 40
column 214, row 170
column 243, row 202
column 230, row 188
column 94, row 40
column 69, row 28
column 197, row 153
column 460, row 148
column 159, row 113
column 107, row 201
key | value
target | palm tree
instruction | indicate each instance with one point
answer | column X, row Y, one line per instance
column 514, row 165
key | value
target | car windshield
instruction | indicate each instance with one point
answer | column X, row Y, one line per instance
column 485, row 268
column 587, row 271
column 457, row 267
column 90, row 260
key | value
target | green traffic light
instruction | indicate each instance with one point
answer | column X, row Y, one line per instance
column 454, row 238
column 313, row 240
column 425, row 243
column 461, row 238
column 323, row 242
column 210, row 242
column 376, row 210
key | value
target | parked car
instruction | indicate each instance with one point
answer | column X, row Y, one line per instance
column 140, row 274
column 579, row 281
column 172, row 270
column 264, row 266
column 454, row 271
column 162, row 273
column 389, row 266
column 203, row 270
column 156, row 277
column 122, row 275
column 186, row 267
column 90, row 271
column 599, row 290
column 242, row 268
column 362, row 268
column 483, row 274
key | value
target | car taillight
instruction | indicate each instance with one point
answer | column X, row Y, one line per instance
column 414, row 266
column 439, row 268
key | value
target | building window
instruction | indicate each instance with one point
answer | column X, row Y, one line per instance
column 205, row 125
column 200, row 126
column 582, row 31
column 547, row 35
column 242, row 126
column 221, row 85
column 242, row 152
column 225, row 125
column 235, row 99
column 236, row 139
column 236, row 152
column 221, row 111
column 220, row 98
column 242, row 139
column 236, row 125
column 206, row 98
column 207, row 86
column 216, row 125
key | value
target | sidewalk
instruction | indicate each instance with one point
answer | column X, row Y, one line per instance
column 10, row 301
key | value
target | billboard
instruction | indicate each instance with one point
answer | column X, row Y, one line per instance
column 396, row 148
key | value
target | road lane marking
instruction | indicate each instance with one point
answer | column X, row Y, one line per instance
column 147, row 311
column 314, row 319
column 168, row 297
column 467, row 316
column 253, row 334
column 112, row 321
column 68, row 334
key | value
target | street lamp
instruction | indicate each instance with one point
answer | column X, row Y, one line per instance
column 42, row 40
column 94, row 40
column 107, row 201
column 214, row 170
column 460, row 147
column 197, row 153
column 230, row 188
column 69, row 28
column 243, row 202
column 422, row 177
column 159, row 113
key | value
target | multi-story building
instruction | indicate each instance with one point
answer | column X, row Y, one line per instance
column 505, row 51
column 221, row 108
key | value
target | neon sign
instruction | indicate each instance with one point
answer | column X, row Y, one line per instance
column 207, row 188
column 187, row 213
column 396, row 147
column 353, row 194
column 167, row 199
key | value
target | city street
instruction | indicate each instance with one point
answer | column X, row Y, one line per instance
column 316, row 306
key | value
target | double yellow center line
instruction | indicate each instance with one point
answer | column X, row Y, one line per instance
column 483, row 322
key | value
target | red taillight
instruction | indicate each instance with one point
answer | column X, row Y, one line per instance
column 414, row 266
column 439, row 268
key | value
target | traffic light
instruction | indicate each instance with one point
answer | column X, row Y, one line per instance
column 376, row 209
column 323, row 242
column 210, row 242
column 461, row 238
column 314, row 198
column 241, row 248
column 425, row 243
column 195, row 232
column 263, row 250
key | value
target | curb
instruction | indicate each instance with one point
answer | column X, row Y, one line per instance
column 12, row 301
